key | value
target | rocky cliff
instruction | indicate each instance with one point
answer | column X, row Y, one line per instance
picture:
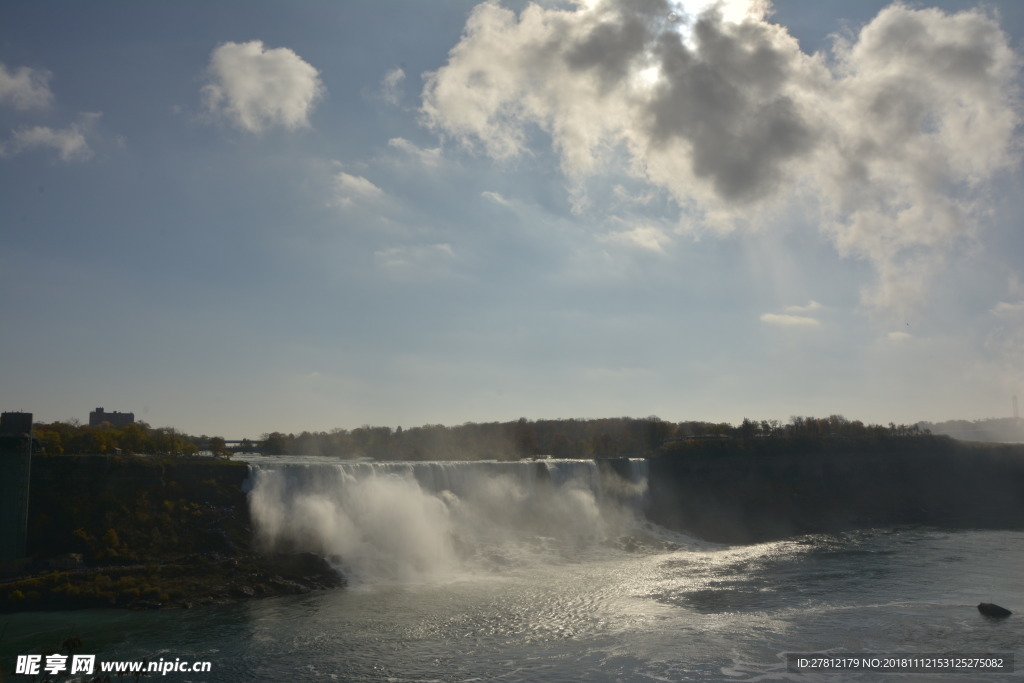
column 746, row 491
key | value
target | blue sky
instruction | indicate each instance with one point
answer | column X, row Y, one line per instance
column 234, row 217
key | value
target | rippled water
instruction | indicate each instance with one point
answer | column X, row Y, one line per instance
column 692, row 613
column 647, row 605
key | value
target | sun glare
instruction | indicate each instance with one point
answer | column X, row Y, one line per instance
column 732, row 10
column 647, row 78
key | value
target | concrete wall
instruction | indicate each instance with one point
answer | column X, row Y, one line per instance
column 15, row 471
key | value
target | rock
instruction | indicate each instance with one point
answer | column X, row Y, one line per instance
column 991, row 610
column 306, row 569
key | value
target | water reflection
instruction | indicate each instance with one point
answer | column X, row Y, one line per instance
column 696, row 613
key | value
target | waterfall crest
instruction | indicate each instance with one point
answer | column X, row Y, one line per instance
column 422, row 521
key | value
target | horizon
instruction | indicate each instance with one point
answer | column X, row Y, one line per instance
column 320, row 216
column 394, row 427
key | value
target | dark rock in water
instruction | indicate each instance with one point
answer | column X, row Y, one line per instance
column 305, row 568
column 991, row 610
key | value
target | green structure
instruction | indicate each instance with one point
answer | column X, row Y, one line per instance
column 15, row 469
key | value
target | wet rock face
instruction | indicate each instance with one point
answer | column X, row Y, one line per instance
column 303, row 569
column 755, row 490
column 300, row 564
column 992, row 610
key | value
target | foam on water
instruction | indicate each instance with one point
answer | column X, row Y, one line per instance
column 427, row 521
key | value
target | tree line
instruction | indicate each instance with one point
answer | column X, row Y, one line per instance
column 561, row 438
column 71, row 438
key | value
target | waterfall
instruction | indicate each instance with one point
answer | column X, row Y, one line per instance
column 415, row 521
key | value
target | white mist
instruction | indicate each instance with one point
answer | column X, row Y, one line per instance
column 414, row 522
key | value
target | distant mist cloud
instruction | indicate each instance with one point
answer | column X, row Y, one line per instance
column 430, row 157
column 1004, row 345
column 391, row 86
column 255, row 88
column 418, row 262
column 70, row 143
column 789, row 320
column 25, row 88
column 1008, row 310
column 647, row 237
column 885, row 141
column 810, row 307
column 802, row 315
column 351, row 189
column 495, row 197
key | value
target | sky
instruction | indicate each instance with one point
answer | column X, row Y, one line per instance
column 234, row 218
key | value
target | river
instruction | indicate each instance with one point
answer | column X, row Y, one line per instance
column 548, row 571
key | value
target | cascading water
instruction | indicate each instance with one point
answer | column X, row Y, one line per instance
column 423, row 521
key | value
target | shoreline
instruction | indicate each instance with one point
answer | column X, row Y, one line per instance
column 182, row 584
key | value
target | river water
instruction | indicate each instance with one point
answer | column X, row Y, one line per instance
column 548, row 572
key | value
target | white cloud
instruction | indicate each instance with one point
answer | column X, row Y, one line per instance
column 495, row 197
column 899, row 336
column 889, row 141
column 255, row 88
column 391, row 86
column 795, row 316
column 624, row 195
column 1014, row 285
column 1009, row 310
column 25, row 88
column 646, row 237
column 417, row 262
column 70, row 143
column 788, row 320
column 924, row 111
column 811, row 307
column 427, row 156
column 720, row 121
column 732, row 10
column 350, row 189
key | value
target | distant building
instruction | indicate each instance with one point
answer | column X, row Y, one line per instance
column 15, row 424
column 15, row 468
column 116, row 419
